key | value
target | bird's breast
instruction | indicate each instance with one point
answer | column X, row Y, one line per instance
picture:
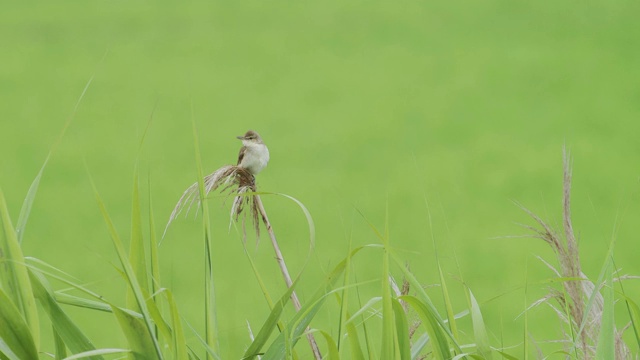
column 256, row 158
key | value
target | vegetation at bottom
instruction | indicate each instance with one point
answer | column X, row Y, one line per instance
column 400, row 322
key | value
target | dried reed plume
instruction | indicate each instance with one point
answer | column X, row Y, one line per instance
column 573, row 309
column 230, row 179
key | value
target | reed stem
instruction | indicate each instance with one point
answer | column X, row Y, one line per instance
column 285, row 273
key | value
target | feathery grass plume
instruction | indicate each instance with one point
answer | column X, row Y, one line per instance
column 580, row 304
column 229, row 179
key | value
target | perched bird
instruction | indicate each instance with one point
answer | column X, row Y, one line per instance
column 254, row 154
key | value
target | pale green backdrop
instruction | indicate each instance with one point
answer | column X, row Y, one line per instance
column 364, row 105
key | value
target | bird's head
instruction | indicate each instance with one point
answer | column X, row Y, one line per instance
column 250, row 137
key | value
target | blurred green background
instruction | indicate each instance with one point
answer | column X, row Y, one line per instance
column 364, row 104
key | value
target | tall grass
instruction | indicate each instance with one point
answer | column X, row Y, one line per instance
column 583, row 304
column 399, row 322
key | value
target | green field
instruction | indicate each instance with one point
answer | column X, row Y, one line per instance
column 408, row 108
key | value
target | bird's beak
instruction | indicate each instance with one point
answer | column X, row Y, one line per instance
column 240, row 137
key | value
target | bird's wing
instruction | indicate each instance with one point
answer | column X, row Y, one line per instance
column 243, row 150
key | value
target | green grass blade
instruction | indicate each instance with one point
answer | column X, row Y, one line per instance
column 37, row 261
column 207, row 348
column 343, row 299
column 447, row 301
column 364, row 308
column 418, row 345
column 479, row 328
column 416, row 285
column 506, row 356
column 211, row 328
column 16, row 341
column 154, row 282
column 296, row 327
column 602, row 278
column 256, row 273
column 130, row 275
column 525, row 338
column 388, row 331
column 153, row 251
column 634, row 315
column 133, row 330
column 263, row 287
column 443, row 284
column 402, row 331
column 426, row 302
column 179, row 341
column 436, row 332
column 269, row 325
column 367, row 339
column 68, row 331
column 137, row 256
column 362, row 311
column 354, row 341
column 14, row 277
column 67, row 299
column 81, row 288
column 33, row 189
column 265, row 292
column 28, row 202
column 98, row 352
column 606, row 338
column 76, row 286
column 157, row 318
column 285, row 342
column 307, row 214
column 61, row 348
column 332, row 348
column 387, row 341
column 344, row 322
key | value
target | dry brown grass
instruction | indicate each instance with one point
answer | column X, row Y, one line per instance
column 579, row 303
column 231, row 180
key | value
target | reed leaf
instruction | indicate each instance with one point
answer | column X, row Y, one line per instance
column 332, row 347
column 128, row 270
column 178, row 339
column 211, row 328
column 436, row 332
column 137, row 256
column 16, row 342
column 606, row 339
column 479, row 328
column 269, row 325
column 294, row 329
column 402, row 330
column 134, row 330
column 14, row 277
column 68, row 331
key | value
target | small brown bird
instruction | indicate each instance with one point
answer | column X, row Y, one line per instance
column 254, row 154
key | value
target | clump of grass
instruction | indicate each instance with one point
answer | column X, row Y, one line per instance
column 579, row 303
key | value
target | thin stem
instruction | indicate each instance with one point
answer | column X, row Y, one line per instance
column 285, row 273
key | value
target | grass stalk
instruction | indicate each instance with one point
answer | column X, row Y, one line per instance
column 211, row 328
column 285, row 273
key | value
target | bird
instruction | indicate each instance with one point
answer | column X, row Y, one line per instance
column 254, row 154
